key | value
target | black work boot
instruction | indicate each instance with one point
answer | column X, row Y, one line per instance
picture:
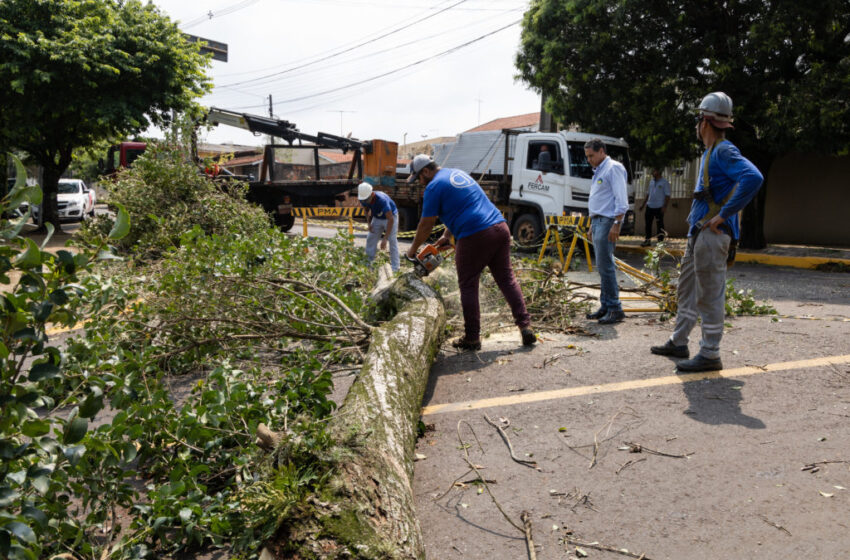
column 528, row 337
column 598, row 314
column 670, row 349
column 467, row 345
column 700, row 363
column 613, row 316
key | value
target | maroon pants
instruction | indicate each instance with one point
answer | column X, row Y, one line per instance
column 488, row 248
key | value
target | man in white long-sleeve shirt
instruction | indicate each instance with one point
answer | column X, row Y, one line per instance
column 607, row 206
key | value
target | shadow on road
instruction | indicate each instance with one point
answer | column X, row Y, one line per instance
column 718, row 401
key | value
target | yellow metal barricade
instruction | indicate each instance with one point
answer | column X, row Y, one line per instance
column 349, row 212
column 579, row 225
column 663, row 298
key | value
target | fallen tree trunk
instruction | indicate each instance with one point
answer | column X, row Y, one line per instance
column 371, row 513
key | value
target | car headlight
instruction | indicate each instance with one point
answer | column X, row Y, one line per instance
column 73, row 205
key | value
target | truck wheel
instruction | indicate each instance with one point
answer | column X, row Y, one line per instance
column 285, row 221
column 407, row 219
column 527, row 229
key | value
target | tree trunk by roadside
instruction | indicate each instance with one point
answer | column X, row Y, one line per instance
column 371, row 514
column 752, row 222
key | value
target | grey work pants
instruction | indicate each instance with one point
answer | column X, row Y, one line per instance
column 377, row 228
column 702, row 291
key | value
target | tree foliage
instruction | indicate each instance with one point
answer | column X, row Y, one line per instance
column 166, row 195
column 638, row 69
column 136, row 435
column 73, row 72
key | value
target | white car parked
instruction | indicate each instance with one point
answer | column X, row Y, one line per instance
column 75, row 201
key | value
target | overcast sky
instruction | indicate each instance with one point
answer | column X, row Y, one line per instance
column 292, row 49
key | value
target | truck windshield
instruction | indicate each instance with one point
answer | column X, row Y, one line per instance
column 578, row 162
column 132, row 154
column 68, row 188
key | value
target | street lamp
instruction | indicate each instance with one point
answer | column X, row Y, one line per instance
column 404, row 144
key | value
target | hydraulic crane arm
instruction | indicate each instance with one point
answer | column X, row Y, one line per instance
column 282, row 129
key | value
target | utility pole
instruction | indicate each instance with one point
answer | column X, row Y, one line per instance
column 340, row 118
column 479, row 107
column 271, row 116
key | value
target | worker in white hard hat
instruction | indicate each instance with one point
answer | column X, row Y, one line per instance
column 382, row 218
column 727, row 181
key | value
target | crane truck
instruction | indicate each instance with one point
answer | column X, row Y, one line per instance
column 506, row 163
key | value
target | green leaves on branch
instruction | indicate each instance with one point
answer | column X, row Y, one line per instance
column 122, row 224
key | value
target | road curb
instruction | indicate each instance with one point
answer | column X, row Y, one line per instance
column 809, row 263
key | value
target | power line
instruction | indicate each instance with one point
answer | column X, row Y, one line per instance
column 344, row 51
column 395, row 71
column 219, row 13
column 334, row 49
column 381, row 52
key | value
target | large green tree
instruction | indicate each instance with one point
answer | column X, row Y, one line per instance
column 73, row 72
column 638, row 69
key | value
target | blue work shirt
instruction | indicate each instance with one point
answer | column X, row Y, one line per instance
column 657, row 192
column 460, row 203
column 726, row 169
column 381, row 207
column 608, row 195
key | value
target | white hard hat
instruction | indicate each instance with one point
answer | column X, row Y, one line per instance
column 364, row 191
column 717, row 106
column 418, row 164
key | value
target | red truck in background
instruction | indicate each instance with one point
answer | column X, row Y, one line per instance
column 123, row 155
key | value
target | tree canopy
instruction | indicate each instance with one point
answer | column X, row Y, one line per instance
column 73, row 72
column 638, row 69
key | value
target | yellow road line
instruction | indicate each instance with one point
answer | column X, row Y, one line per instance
column 627, row 385
column 759, row 258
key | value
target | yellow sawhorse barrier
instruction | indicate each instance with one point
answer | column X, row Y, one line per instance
column 665, row 301
column 579, row 225
column 349, row 212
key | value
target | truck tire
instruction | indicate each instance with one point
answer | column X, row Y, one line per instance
column 284, row 221
column 407, row 219
column 527, row 229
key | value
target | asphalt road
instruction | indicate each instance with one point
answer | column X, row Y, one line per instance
column 721, row 468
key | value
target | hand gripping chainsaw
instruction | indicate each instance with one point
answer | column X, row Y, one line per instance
column 428, row 259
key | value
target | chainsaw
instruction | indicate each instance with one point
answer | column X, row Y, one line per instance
column 427, row 259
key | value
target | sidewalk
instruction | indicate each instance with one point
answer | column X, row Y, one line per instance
column 796, row 256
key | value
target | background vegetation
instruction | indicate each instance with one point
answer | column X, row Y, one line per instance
column 639, row 69
column 67, row 83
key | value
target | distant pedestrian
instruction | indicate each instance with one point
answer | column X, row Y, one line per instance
column 382, row 218
column 482, row 240
column 727, row 181
column 607, row 206
column 657, row 197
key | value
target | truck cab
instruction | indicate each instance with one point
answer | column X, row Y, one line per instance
column 557, row 182
column 121, row 156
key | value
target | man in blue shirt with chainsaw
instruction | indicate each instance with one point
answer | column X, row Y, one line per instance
column 727, row 181
column 482, row 241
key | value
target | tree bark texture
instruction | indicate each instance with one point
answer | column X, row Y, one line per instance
column 372, row 514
